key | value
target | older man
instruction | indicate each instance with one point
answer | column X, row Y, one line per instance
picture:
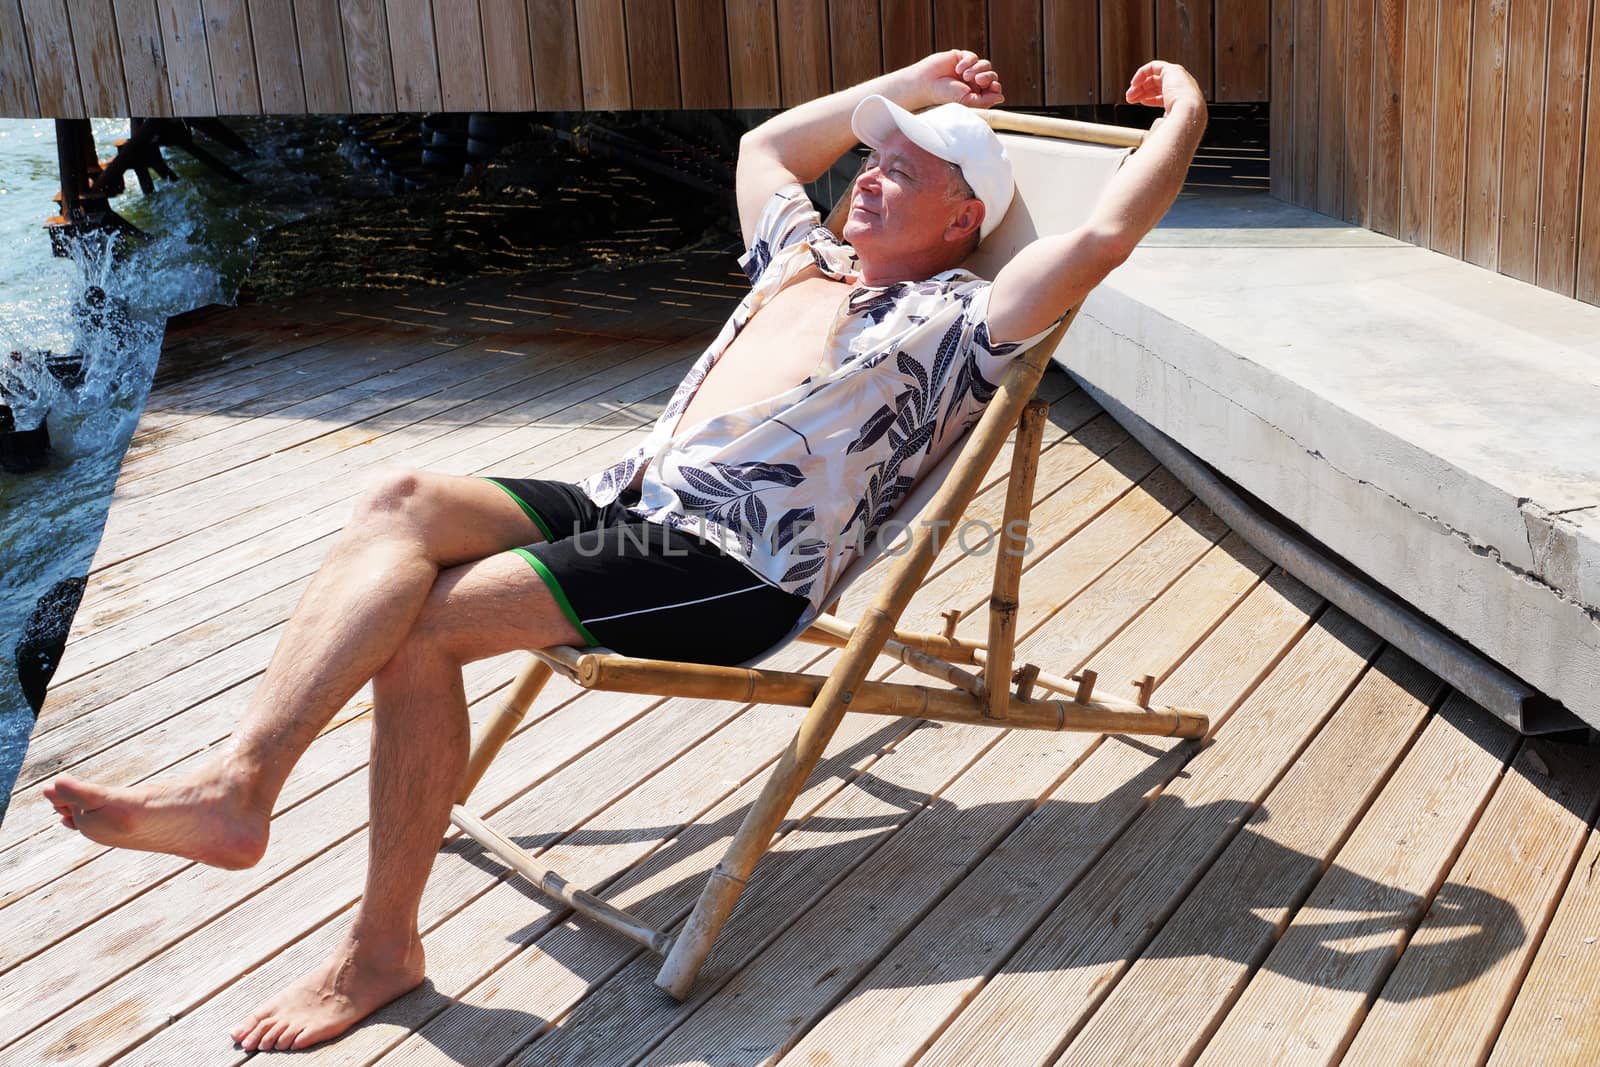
column 845, row 372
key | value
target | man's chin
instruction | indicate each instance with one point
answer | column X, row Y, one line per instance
column 856, row 230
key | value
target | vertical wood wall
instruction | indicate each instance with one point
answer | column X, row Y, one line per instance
column 1471, row 127
column 69, row 58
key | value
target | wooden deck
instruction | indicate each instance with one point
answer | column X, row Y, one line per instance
column 1359, row 867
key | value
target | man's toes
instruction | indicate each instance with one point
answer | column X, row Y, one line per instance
column 269, row 1040
column 299, row 1038
column 240, row 1032
column 252, row 1040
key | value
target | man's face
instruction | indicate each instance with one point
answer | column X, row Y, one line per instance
column 906, row 203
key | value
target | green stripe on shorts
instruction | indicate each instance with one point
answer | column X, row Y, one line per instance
column 544, row 529
column 556, row 591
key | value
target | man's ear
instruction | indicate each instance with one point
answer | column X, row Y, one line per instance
column 967, row 222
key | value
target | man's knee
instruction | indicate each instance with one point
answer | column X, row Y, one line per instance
column 392, row 502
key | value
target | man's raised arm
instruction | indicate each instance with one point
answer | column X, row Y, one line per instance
column 802, row 143
column 1053, row 274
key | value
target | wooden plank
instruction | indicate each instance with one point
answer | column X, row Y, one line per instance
column 1451, row 990
column 704, row 83
column 1072, row 54
column 1552, row 1020
column 1358, row 111
column 366, row 54
column 961, row 24
column 1281, row 126
column 1172, row 996
column 1307, row 99
column 752, row 53
column 802, row 51
column 1306, row 999
column 1184, row 35
column 183, row 42
column 907, row 31
column 1486, row 106
column 1244, row 33
column 55, row 70
column 1388, row 116
column 99, row 52
column 463, row 82
column 508, row 60
column 144, row 64
column 1416, row 163
column 1016, row 47
column 1127, row 41
column 1450, row 105
column 1563, row 143
column 324, row 76
column 857, row 42
column 1331, row 131
column 233, row 58
column 277, row 50
column 557, row 77
column 603, row 54
column 1527, row 38
column 17, row 96
column 653, row 54
column 413, row 53
column 1589, row 231
column 1047, row 989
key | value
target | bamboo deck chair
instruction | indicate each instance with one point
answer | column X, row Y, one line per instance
column 1060, row 167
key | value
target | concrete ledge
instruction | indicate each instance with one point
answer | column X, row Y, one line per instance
column 1436, row 424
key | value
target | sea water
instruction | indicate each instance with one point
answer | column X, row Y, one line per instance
column 201, row 232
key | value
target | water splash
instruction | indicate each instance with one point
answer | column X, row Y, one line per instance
column 86, row 332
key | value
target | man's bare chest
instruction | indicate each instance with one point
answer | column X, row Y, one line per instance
column 780, row 346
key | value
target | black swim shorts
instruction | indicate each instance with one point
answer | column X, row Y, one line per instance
column 646, row 589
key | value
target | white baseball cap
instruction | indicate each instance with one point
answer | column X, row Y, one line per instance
column 956, row 134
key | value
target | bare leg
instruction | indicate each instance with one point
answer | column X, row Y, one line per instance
column 419, row 752
column 349, row 623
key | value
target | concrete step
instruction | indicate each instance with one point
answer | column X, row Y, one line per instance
column 1436, row 424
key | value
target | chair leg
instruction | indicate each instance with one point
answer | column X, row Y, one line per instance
column 1008, row 563
column 502, row 723
column 693, row 943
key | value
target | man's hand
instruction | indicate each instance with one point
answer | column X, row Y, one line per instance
column 1055, row 273
column 1164, row 85
column 956, row 76
column 803, row 142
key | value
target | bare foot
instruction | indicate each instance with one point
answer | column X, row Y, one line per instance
column 198, row 818
column 350, row 985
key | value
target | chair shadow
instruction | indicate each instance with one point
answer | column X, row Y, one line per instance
column 1471, row 928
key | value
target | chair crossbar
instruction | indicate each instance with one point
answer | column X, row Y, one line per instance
column 580, row 900
column 628, row 674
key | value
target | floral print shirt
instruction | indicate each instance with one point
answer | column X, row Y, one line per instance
column 797, row 485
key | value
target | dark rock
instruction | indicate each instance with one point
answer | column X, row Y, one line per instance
column 22, row 451
column 39, row 651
